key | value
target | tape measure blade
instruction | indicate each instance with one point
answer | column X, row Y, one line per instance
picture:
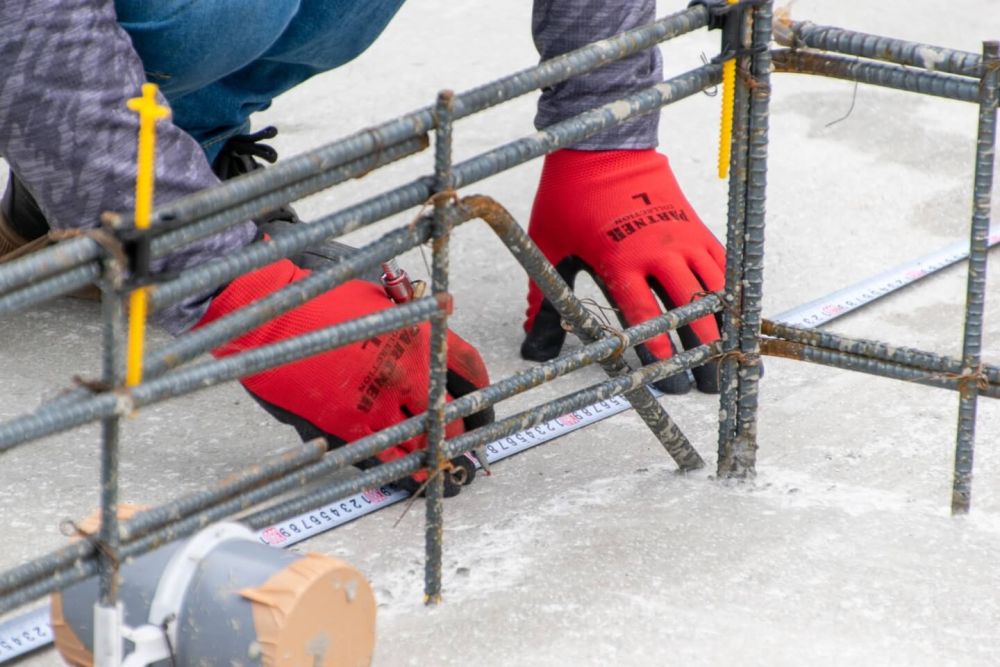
column 25, row 634
column 848, row 299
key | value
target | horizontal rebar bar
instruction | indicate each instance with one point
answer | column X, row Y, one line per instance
column 876, row 47
column 209, row 373
column 69, row 254
column 897, row 77
column 269, row 200
column 190, row 345
column 144, row 522
column 49, row 288
column 501, row 429
column 417, row 192
column 776, row 347
column 374, row 477
column 419, row 122
column 34, row 267
column 907, row 356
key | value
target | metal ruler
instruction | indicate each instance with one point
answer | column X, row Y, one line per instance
column 30, row 631
column 837, row 304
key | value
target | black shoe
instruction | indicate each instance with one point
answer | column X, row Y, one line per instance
column 21, row 213
column 238, row 157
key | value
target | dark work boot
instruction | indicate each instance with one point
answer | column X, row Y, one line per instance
column 23, row 227
column 238, row 157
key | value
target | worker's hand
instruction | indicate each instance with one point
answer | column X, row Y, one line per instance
column 620, row 216
column 349, row 392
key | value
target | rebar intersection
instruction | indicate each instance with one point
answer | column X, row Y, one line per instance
column 745, row 337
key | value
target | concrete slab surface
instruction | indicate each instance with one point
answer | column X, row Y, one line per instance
column 591, row 550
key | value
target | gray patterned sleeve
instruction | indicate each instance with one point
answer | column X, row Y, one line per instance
column 65, row 130
column 563, row 25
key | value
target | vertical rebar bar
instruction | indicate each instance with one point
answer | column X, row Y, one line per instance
column 733, row 298
column 107, row 618
column 743, row 454
column 436, row 461
column 961, row 494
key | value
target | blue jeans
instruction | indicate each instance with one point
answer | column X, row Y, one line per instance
column 218, row 61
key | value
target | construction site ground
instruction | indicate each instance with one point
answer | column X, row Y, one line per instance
column 591, row 549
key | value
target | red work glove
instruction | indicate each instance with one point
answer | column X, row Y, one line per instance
column 620, row 216
column 349, row 392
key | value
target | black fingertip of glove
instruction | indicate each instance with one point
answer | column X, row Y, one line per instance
column 545, row 340
column 542, row 343
column 675, row 385
column 707, row 377
column 459, row 386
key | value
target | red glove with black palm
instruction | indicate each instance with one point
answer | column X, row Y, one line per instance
column 620, row 216
column 349, row 392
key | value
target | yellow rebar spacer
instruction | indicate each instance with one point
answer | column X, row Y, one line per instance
column 149, row 111
column 726, row 124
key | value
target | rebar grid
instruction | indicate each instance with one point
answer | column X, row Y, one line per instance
column 73, row 263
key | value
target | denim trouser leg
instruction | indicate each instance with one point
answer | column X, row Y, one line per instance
column 218, row 61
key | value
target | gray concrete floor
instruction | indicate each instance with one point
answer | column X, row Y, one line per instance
column 591, row 550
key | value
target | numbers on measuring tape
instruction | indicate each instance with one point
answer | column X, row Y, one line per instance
column 22, row 640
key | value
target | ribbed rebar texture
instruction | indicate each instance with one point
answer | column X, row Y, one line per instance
column 735, row 233
column 926, row 362
column 113, row 306
column 272, row 199
column 209, row 373
column 49, row 288
column 418, row 123
column 860, row 363
column 565, row 133
column 849, row 42
column 898, row 77
column 583, row 323
column 377, row 476
column 436, row 468
column 975, row 297
column 36, row 266
column 740, row 456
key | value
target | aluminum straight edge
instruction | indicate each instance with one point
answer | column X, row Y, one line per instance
column 419, row 122
column 874, row 349
column 876, row 47
column 760, row 95
column 438, row 362
column 975, row 298
column 209, row 373
column 583, row 323
column 271, row 199
column 559, row 135
column 853, row 362
column 366, row 447
column 733, row 298
column 463, row 443
column 887, row 76
column 49, row 288
column 377, row 476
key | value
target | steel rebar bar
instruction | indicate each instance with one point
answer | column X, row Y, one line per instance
column 975, row 298
column 849, row 42
column 887, row 76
